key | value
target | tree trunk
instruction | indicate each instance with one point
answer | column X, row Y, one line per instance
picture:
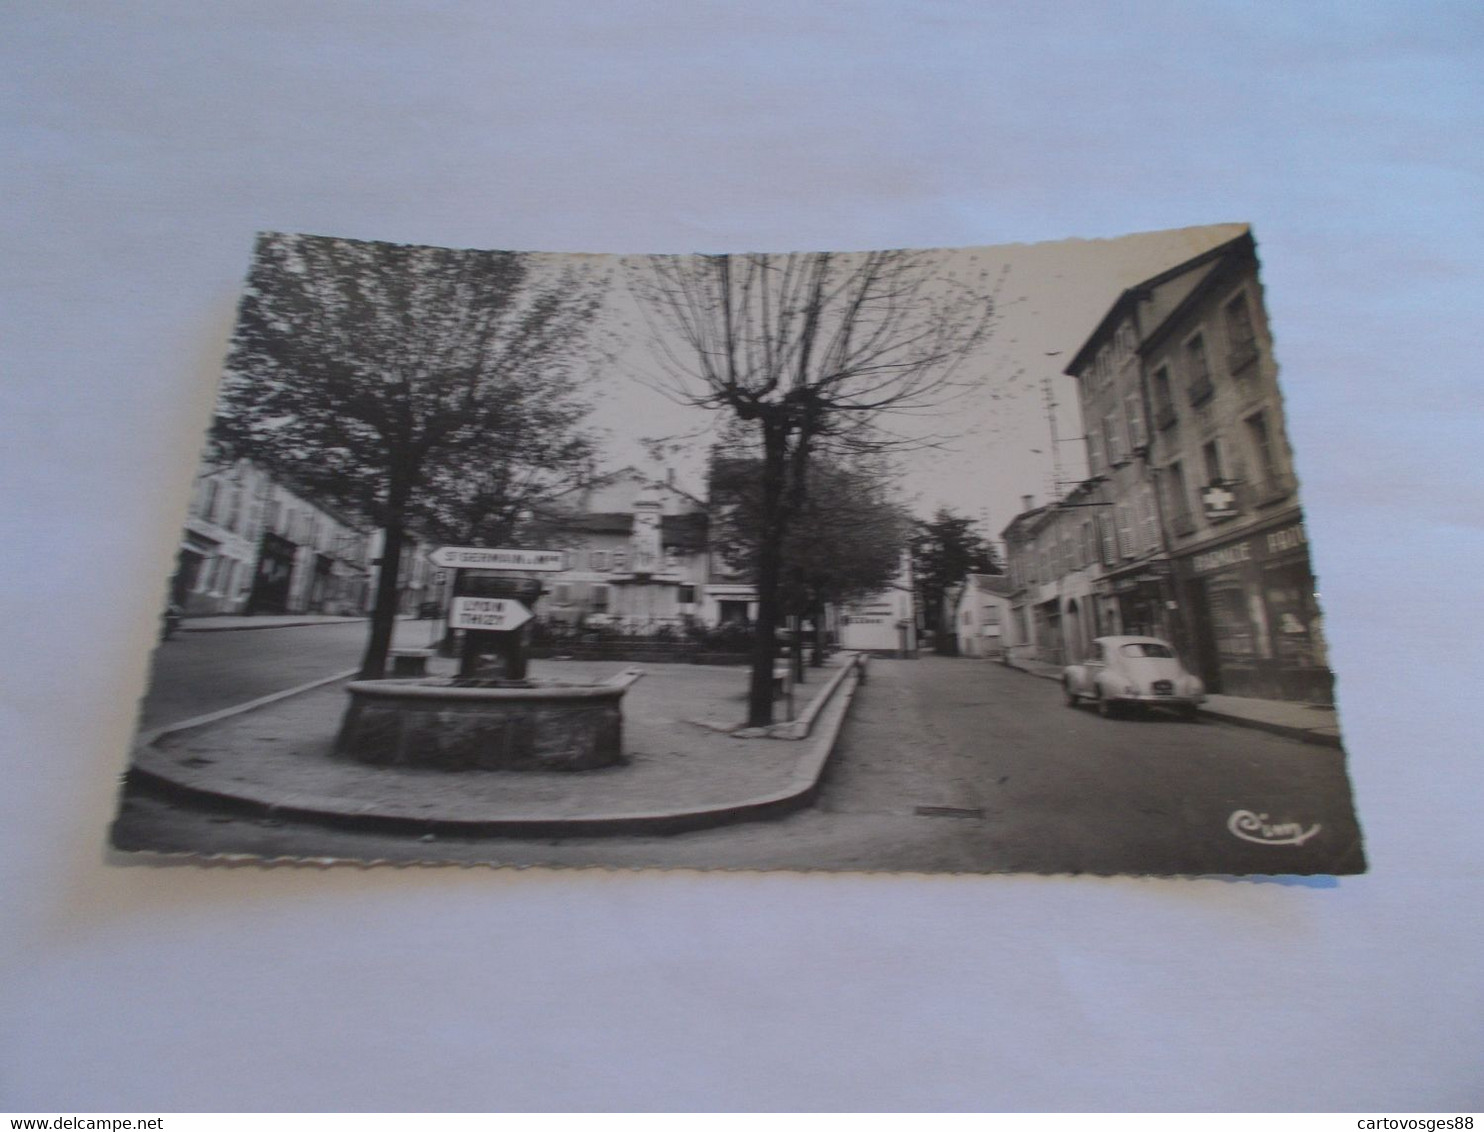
column 816, row 619
column 384, row 611
column 769, row 571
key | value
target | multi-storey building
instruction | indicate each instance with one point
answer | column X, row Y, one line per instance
column 1188, row 526
column 1052, row 556
column 1221, row 460
column 251, row 544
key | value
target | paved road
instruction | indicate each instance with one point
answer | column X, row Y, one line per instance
column 949, row 765
column 196, row 673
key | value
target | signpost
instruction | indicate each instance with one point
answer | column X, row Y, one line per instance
column 491, row 614
column 492, row 602
column 482, row 558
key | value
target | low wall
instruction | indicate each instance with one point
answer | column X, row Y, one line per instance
column 416, row 723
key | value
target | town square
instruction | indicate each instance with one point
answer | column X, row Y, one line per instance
column 988, row 560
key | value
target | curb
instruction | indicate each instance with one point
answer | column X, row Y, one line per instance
column 188, row 628
column 1303, row 735
column 1314, row 738
column 800, row 791
column 150, row 738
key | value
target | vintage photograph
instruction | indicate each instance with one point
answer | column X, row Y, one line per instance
column 966, row 561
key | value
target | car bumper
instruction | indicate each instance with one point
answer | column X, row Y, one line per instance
column 1151, row 700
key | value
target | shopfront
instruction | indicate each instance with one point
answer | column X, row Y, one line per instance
column 1256, row 625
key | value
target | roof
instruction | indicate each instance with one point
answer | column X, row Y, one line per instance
column 1132, row 641
column 992, row 584
column 1166, row 291
column 685, row 532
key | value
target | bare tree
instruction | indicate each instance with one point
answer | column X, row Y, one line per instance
column 410, row 385
column 809, row 351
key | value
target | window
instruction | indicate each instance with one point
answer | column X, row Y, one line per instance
column 1241, row 339
column 1125, row 529
column 1089, row 544
column 1164, row 402
column 598, row 599
column 1197, row 370
column 687, row 595
column 1212, row 456
column 561, row 593
column 1094, row 452
column 1136, row 434
column 1147, row 649
column 599, row 559
column 1110, row 539
column 1274, row 482
column 1177, row 500
column 620, row 559
column 1113, row 437
column 208, row 501
column 1150, row 513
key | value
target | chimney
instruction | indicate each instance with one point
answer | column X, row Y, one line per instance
column 669, row 477
column 1025, row 502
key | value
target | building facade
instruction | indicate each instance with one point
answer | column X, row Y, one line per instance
column 982, row 616
column 1222, row 461
column 1188, row 527
column 637, row 556
column 252, row 544
column 884, row 623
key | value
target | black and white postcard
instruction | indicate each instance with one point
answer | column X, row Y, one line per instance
column 978, row 560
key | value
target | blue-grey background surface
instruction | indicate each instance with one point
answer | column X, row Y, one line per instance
column 145, row 143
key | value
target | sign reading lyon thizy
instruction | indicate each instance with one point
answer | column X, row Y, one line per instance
column 492, row 614
column 481, row 558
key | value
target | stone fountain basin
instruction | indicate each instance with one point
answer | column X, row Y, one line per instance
column 534, row 726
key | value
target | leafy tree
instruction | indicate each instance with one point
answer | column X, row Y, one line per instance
column 944, row 549
column 418, row 387
column 810, row 353
column 847, row 541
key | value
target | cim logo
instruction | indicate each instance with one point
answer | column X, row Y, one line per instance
column 1260, row 830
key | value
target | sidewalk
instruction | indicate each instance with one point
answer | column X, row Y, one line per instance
column 213, row 623
column 1311, row 723
column 686, row 768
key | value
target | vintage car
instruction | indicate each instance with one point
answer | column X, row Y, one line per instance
column 1125, row 672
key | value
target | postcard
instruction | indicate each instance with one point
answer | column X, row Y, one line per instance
column 980, row 560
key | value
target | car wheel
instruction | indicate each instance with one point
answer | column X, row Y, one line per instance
column 1066, row 687
column 1107, row 708
column 1189, row 712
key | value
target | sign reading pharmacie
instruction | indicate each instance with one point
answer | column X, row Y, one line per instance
column 485, row 558
column 1256, row 549
column 490, row 614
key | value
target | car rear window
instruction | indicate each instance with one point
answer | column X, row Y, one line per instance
column 1146, row 648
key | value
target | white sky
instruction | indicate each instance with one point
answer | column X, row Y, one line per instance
column 1050, row 298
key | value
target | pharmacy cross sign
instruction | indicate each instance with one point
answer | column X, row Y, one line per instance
column 1219, row 501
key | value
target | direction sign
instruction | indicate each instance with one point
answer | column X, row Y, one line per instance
column 492, row 614
column 482, row 558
